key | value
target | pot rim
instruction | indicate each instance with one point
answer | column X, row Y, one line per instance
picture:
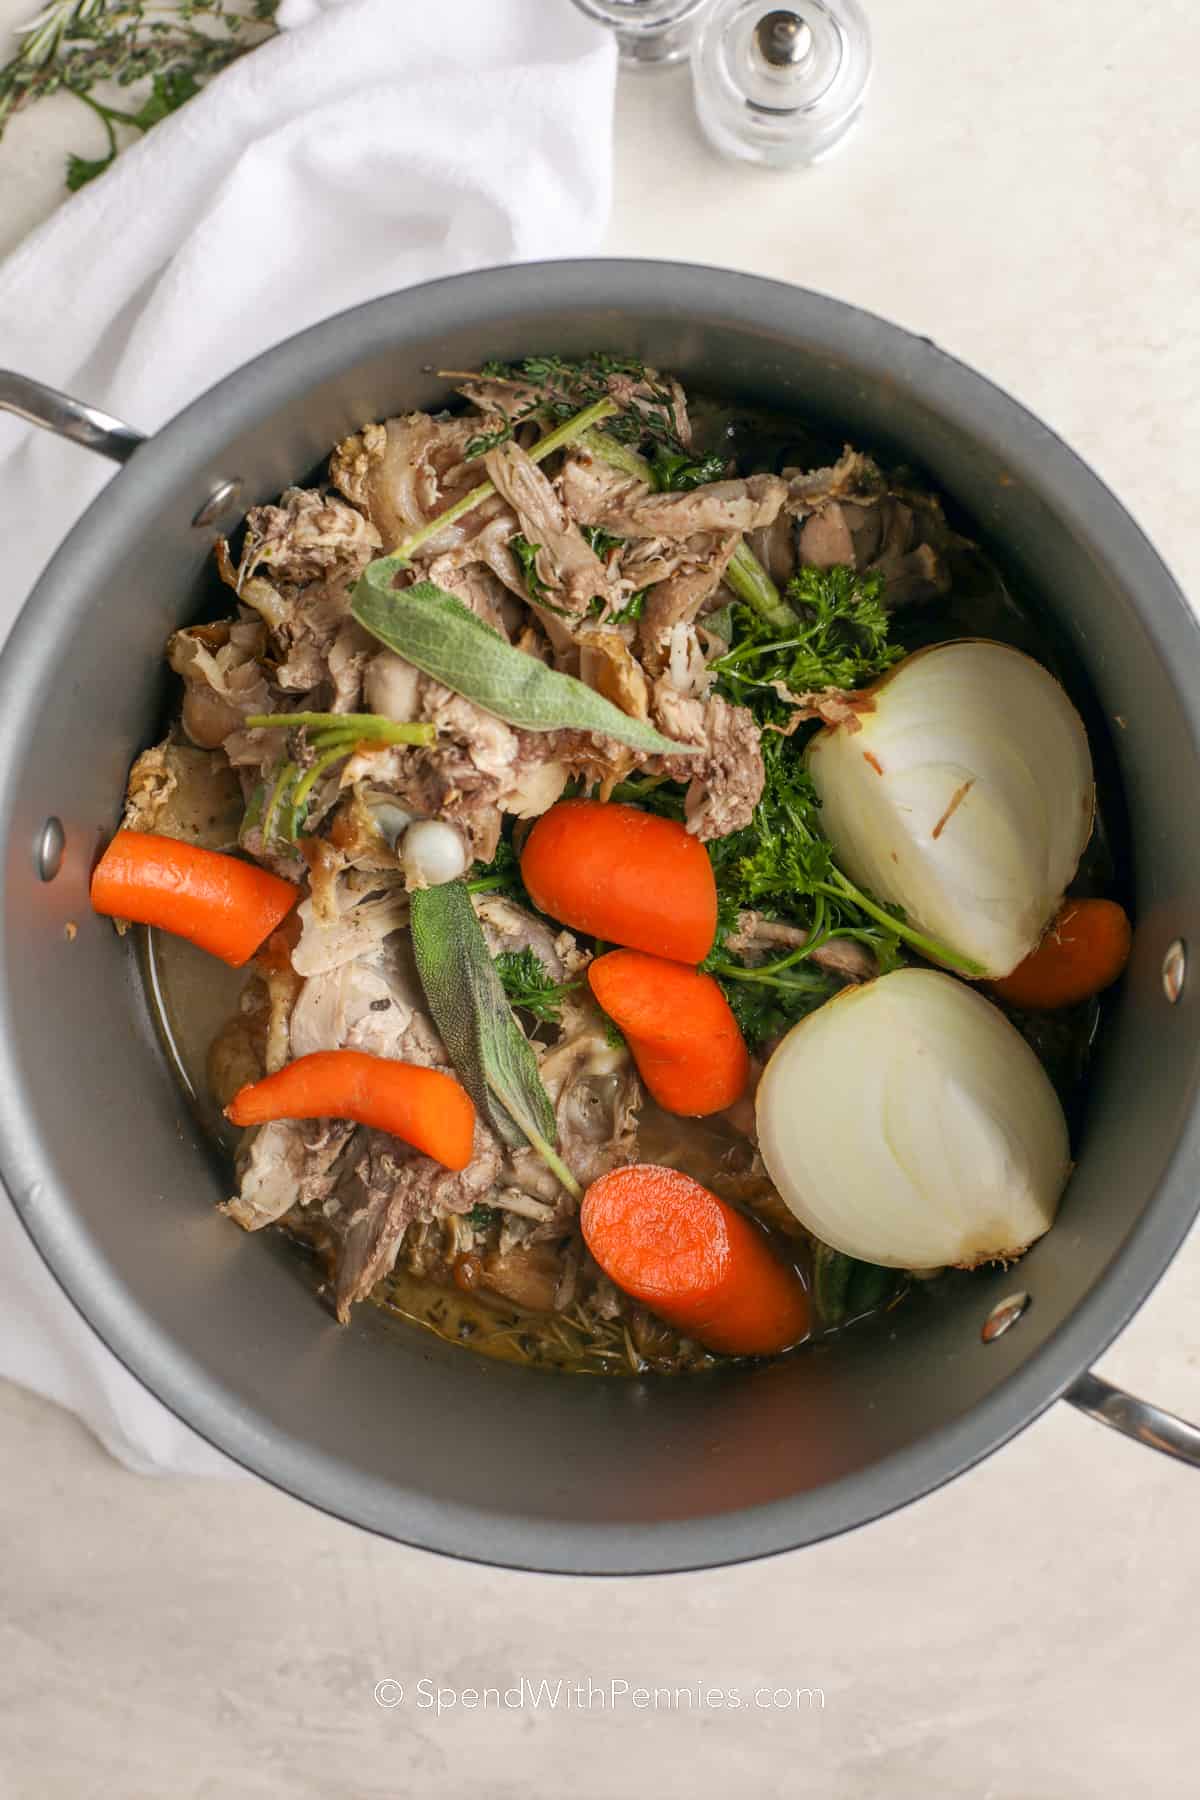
column 190, row 441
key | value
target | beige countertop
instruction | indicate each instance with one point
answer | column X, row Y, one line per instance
column 1025, row 190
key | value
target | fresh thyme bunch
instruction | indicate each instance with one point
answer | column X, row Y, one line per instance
column 78, row 46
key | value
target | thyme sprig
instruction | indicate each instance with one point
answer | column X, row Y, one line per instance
column 79, row 46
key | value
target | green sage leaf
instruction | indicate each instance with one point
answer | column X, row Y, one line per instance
column 845, row 1288
column 442, row 637
column 493, row 1057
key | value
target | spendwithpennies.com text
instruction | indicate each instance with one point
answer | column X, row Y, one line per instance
column 549, row 1694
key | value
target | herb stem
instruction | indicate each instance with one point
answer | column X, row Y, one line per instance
column 751, row 583
column 106, row 115
column 565, row 434
column 311, row 776
column 841, row 888
column 287, row 774
column 802, row 981
column 347, row 726
column 618, row 456
column 551, row 1158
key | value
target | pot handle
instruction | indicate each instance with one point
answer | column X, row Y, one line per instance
column 1135, row 1418
column 58, row 412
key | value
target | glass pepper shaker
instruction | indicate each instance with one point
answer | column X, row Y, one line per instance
column 780, row 85
column 650, row 33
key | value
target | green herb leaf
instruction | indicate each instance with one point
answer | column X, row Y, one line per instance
column 491, row 1053
column 501, row 876
column 845, row 1288
column 675, row 472
column 168, row 92
column 526, row 555
column 528, row 983
column 601, row 541
column 767, row 1008
column 80, row 171
column 633, row 607
column 719, row 622
column 442, row 637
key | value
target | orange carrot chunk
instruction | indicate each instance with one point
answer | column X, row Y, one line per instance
column 226, row 906
column 1083, row 952
column 681, row 1033
column 429, row 1110
column 693, row 1260
column 624, row 875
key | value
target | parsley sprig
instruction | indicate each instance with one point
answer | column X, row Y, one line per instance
column 841, row 639
column 529, row 984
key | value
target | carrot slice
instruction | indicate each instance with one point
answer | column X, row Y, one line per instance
column 226, row 906
column 429, row 1110
column 1083, row 952
column 681, row 1032
column 664, row 1239
column 625, row 875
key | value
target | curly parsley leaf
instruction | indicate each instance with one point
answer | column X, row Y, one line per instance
column 841, row 641
column 727, row 921
column 530, row 985
column 767, row 1010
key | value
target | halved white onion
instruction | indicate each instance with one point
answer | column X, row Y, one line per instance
column 966, row 798
column 907, row 1122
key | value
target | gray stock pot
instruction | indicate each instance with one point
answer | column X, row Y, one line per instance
column 383, row 1424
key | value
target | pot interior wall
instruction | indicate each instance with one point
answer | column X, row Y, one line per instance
column 381, row 1422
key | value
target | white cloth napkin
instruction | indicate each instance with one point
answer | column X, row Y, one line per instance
column 374, row 144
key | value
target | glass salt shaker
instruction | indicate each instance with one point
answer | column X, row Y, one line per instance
column 780, row 85
column 650, row 33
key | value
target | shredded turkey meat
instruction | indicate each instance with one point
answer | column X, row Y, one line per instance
column 567, row 566
column 590, row 487
column 851, row 514
column 682, row 594
column 726, row 783
column 403, row 473
column 720, row 506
